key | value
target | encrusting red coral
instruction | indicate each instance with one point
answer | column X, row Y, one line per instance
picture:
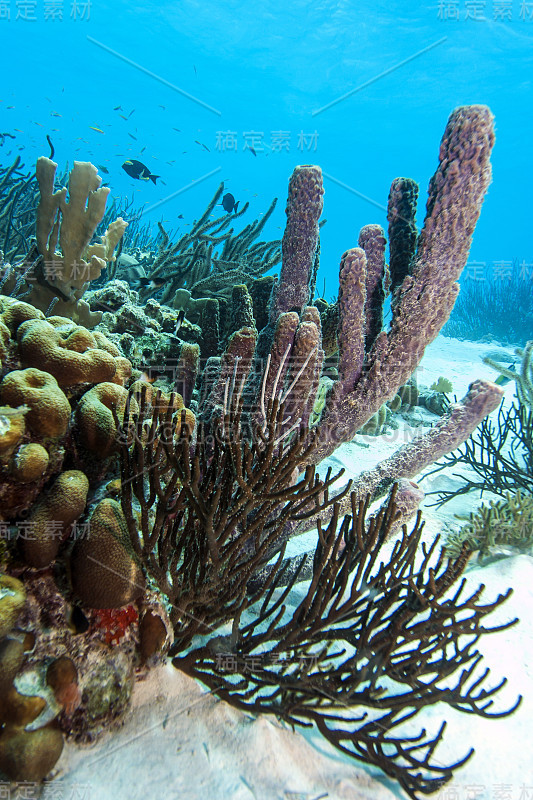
column 115, row 622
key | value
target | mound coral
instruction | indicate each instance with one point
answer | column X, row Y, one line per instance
column 48, row 410
column 51, row 518
column 106, row 572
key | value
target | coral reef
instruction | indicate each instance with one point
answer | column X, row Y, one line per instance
column 137, row 519
column 59, row 278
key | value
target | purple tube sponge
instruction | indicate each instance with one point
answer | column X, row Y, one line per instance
column 300, row 239
column 423, row 302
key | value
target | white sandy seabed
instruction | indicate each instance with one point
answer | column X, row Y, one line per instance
column 179, row 741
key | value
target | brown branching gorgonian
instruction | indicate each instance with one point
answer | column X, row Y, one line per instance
column 376, row 637
column 204, row 514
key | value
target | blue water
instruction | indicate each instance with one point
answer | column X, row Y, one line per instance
column 245, row 68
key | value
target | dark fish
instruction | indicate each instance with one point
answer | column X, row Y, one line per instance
column 251, row 149
column 103, row 169
column 149, row 283
column 179, row 321
column 129, row 269
column 180, row 216
column 131, row 112
column 202, row 145
column 132, row 136
column 177, row 129
column 229, row 204
column 139, row 171
column 117, row 108
column 78, row 621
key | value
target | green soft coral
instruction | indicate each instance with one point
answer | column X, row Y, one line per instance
column 503, row 522
column 442, row 385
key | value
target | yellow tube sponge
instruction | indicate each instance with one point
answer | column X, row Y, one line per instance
column 155, row 397
column 52, row 516
column 48, row 408
column 108, row 242
column 104, row 568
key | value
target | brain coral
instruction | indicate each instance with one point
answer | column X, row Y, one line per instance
column 52, row 516
column 14, row 312
column 95, row 424
column 72, row 355
column 29, row 463
column 49, row 409
column 105, row 571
